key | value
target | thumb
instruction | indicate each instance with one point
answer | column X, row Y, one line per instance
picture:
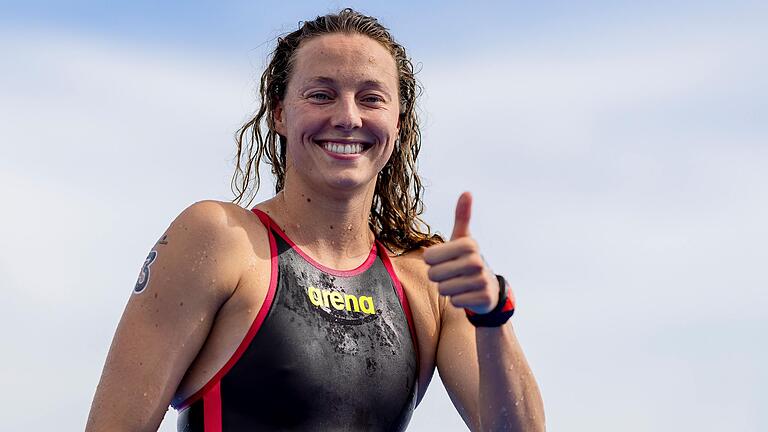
column 463, row 212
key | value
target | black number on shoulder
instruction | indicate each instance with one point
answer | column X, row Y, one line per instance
column 143, row 281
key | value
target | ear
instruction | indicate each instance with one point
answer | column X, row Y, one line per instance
column 279, row 118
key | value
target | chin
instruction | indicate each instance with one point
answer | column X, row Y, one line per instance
column 350, row 183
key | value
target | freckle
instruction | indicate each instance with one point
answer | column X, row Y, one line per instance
column 155, row 295
column 331, row 228
column 157, row 325
column 181, row 304
column 141, row 363
column 309, row 199
column 157, row 310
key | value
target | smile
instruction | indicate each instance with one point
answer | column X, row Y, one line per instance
column 343, row 148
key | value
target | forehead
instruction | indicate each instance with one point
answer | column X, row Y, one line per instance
column 343, row 57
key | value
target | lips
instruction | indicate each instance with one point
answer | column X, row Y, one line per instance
column 344, row 147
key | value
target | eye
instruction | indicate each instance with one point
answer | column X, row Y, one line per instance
column 373, row 99
column 320, row 96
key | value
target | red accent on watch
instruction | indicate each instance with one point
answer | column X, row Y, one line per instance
column 500, row 314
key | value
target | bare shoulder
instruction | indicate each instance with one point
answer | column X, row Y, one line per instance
column 220, row 233
column 217, row 221
column 412, row 271
column 214, row 217
column 190, row 273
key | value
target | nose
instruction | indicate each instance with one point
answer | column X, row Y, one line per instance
column 347, row 114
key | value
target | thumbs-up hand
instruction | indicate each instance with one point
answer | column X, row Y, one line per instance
column 459, row 269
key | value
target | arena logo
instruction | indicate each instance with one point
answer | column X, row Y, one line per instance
column 341, row 301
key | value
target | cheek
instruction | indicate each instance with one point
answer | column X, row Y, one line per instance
column 388, row 127
column 387, row 154
column 300, row 125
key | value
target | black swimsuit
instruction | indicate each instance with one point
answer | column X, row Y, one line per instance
column 329, row 350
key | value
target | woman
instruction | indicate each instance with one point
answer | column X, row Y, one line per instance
column 325, row 307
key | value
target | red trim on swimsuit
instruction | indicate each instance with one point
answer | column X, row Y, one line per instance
column 213, row 384
column 262, row 314
column 359, row 269
column 377, row 247
column 212, row 410
column 403, row 301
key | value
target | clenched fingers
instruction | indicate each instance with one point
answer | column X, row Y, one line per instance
column 453, row 249
column 463, row 266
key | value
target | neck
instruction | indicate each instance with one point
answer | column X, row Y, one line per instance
column 332, row 228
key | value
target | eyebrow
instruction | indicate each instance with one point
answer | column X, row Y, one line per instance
column 321, row 79
column 367, row 83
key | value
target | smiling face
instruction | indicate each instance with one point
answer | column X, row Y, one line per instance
column 340, row 112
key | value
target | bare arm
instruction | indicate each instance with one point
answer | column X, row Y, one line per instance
column 487, row 376
column 483, row 369
column 185, row 279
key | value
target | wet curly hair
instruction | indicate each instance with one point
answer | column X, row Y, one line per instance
column 397, row 201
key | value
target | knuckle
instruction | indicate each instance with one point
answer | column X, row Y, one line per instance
column 444, row 288
column 441, row 288
column 428, row 256
column 475, row 263
column 462, row 243
column 487, row 298
column 431, row 273
column 479, row 286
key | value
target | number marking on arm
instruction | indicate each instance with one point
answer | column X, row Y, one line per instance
column 143, row 280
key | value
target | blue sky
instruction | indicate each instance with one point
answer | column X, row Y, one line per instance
column 616, row 151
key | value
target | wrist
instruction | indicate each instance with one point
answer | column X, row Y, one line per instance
column 500, row 314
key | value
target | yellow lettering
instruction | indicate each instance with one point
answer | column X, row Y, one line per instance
column 369, row 307
column 326, row 293
column 337, row 301
column 351, row 302
column 315, row 296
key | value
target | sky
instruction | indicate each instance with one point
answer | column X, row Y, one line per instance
column 617, row 152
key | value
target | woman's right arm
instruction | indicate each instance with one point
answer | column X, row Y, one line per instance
column 187, row 276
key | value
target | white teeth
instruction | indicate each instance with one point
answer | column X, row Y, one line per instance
column 343, row 148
